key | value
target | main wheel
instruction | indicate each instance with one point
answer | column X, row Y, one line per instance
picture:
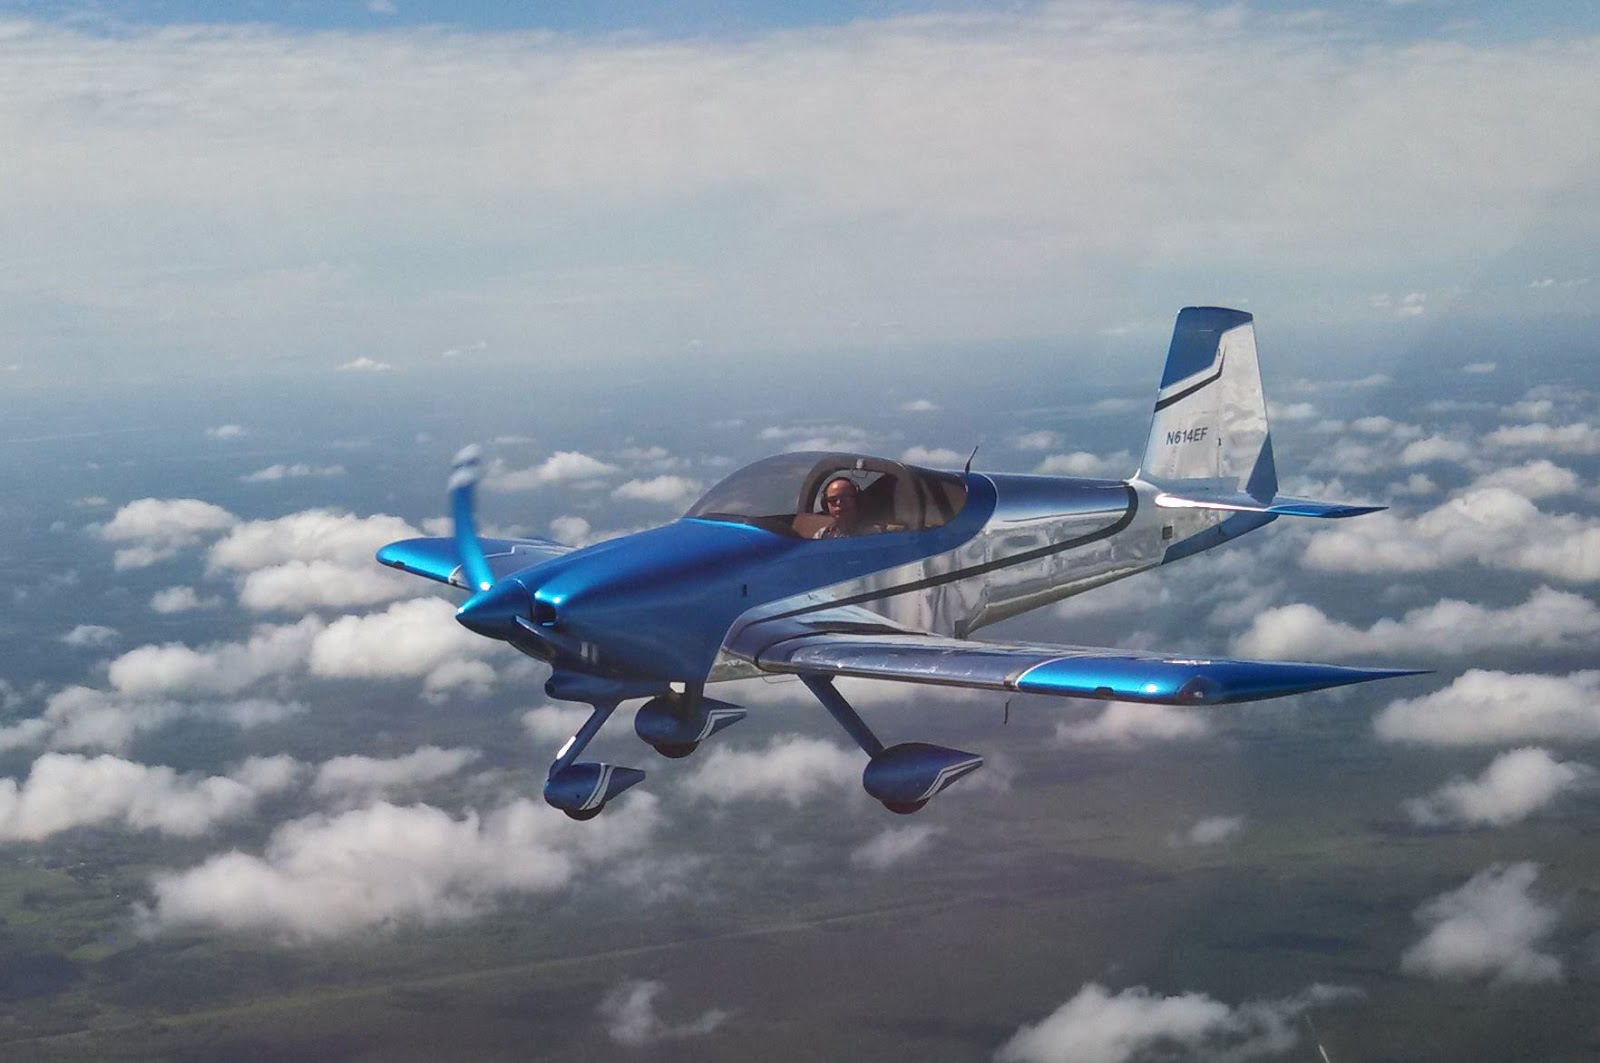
column 904, row 808
column 673, row 751
column 584, row 814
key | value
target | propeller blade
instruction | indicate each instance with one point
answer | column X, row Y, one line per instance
column 465, row 472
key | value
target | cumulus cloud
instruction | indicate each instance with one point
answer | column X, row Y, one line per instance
column 80, row 717
column 893, row 846
column 299, row 470
column 329, row 875
column 1040, row 440
column 181, row 600
column 1492, row 526
column 938, row 457
column 316, row 558
column 1126, row 723
column 410, row 638
column 1213, row 830
column 663, row 490
column 1540, row 478
column 356, row 778
column 1083, row 463
column 1548, row 620
column 1489, row 928
column 66, row 790
column 554, row 723
column 218, row 668
column 919, row 406
column 629, row 1014
column 227, row 431
column 366, row 365
column 1098, row 1026
column 91, row 635
column 1495, row 708
column 791, row 768
column 1516, row 784
column 1577, row 438
column 157, row 528
column 563, row 466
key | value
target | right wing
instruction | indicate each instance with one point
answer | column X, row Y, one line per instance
column 1031, row 668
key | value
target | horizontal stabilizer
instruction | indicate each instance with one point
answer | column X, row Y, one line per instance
column 1063, row 671
column 435, row 558
column 1241, row 502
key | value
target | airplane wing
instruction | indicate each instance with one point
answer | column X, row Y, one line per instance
column 882, row 652
column 435, row 558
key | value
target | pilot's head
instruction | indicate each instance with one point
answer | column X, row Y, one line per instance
column 841, row 500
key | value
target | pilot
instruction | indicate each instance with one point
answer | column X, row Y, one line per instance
column 842, row 501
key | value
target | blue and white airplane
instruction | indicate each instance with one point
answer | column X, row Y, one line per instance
column 769, row 574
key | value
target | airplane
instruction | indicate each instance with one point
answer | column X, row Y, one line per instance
column 758, row 579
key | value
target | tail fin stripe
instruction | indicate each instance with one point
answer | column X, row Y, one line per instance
column 1162, row 404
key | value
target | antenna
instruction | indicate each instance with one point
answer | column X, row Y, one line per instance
column 974, row 454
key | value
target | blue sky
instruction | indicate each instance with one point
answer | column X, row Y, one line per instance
column 245, row 196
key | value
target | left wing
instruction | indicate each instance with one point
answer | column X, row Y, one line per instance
column 436, row 558
column 1031, row 668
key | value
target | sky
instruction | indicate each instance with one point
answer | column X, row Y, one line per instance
column 331, row 184
column 271, row 265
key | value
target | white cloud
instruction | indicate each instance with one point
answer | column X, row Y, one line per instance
column 1040, row 440
column 938, row 457
column 1436, row 448
column 563, row 466
column 299, row 470
column 218, row 668
column 1564, row 439
column 325, row 876
column 1082, row 463
column 1126, row 723
column 1495, row 708
column 410, row 638
column 1479, row 368
column 65, row 790
column 356, row 778
column 919, row 406
column 79, row 717
column 551, row 724
column 1548, row 620
column 1492, row 526
column 1540, row 478
column 893, row 845
column 366, row 365
column 159, row 527
column 1098, row 1026
column 1489, row 928
column 227, row 431
column 791, row 768
column 181, row 600
column 1213, row 830
column 1514, row 786
column 91, row 635
column 310, row 535
column 570, row 529
column 298, row 586
column 664, row 490
column 629, row 1014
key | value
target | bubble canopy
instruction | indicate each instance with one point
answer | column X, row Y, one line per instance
column 783, row 494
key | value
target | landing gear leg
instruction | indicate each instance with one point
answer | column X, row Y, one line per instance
column 904, row 777
column 581, row 790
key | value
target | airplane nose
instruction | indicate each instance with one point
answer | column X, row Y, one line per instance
column 494, row 612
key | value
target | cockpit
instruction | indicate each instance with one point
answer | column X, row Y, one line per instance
column 784, row 494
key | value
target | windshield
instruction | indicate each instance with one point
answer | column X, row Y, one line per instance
column 784, row 494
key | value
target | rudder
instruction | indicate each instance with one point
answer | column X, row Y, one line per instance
column 1210, row 419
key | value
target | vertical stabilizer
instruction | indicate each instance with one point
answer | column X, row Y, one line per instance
column 1210, row 419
